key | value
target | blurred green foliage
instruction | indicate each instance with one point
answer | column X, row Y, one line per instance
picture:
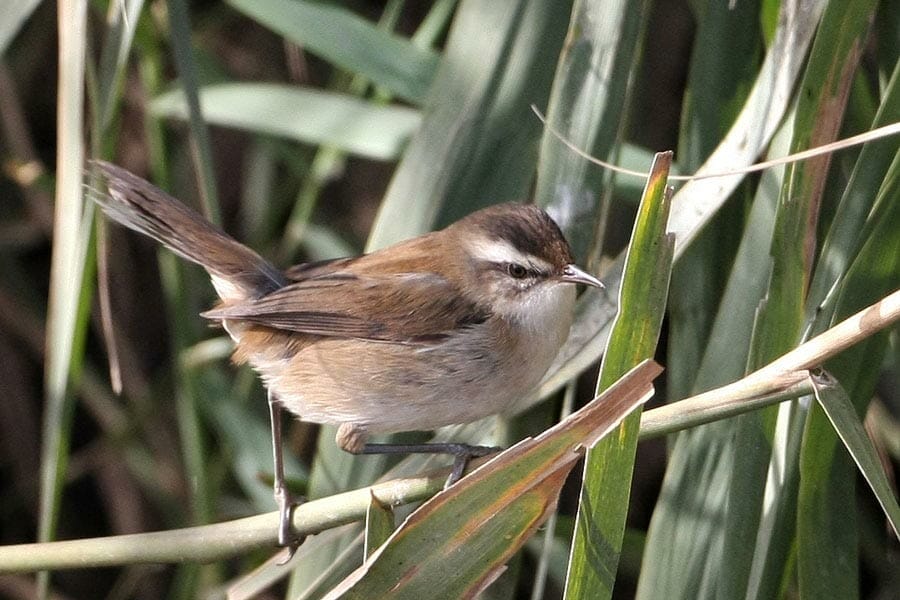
column 316, row 129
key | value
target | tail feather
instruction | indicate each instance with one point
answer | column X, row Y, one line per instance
column 237, row 271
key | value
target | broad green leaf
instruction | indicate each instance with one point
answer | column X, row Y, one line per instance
column 827, row 560
column 827, row 499
column 645, row 284
column 478, row 144
column 843, row 417
column 349, row 42
column 682, row 542
column 683, row 555
column 696, row 203
column 329, row 160
column 780, row 318
column 303, row 114
column 848, row 230
column 587, row 107
column 824, row 91
column 458, row 541
column 603, row 504
column 724, row 59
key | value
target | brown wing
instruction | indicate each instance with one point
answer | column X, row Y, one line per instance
column 408, row 307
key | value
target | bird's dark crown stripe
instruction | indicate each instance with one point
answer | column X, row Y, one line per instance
column 536, row 235
column 524, row 236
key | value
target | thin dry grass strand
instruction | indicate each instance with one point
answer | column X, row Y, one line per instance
column 856, row 140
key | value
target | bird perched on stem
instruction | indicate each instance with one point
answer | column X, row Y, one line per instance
column 445, row 328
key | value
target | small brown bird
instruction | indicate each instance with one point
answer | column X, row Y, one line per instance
column 445, row 328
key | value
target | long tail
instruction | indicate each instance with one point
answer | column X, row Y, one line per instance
column 237, row 271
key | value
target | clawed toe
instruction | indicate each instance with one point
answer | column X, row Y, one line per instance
column 287, row 535
column 461, row 453
column 461, row 460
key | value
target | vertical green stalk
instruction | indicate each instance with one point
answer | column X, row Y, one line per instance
column 66, row 319
column 329, row 159
column 780, row 318
column 605, row 492
column 201, row 148
column 588, row 103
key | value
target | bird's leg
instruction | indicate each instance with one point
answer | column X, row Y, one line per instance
column 461, row 453
column 287, row 537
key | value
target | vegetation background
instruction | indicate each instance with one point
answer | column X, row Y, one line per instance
column 331, row 127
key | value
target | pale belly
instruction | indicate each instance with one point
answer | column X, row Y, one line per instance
column 386, row 387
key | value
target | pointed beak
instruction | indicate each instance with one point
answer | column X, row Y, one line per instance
column 573, row 274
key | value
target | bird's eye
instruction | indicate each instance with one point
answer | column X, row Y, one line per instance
column 516, row 271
